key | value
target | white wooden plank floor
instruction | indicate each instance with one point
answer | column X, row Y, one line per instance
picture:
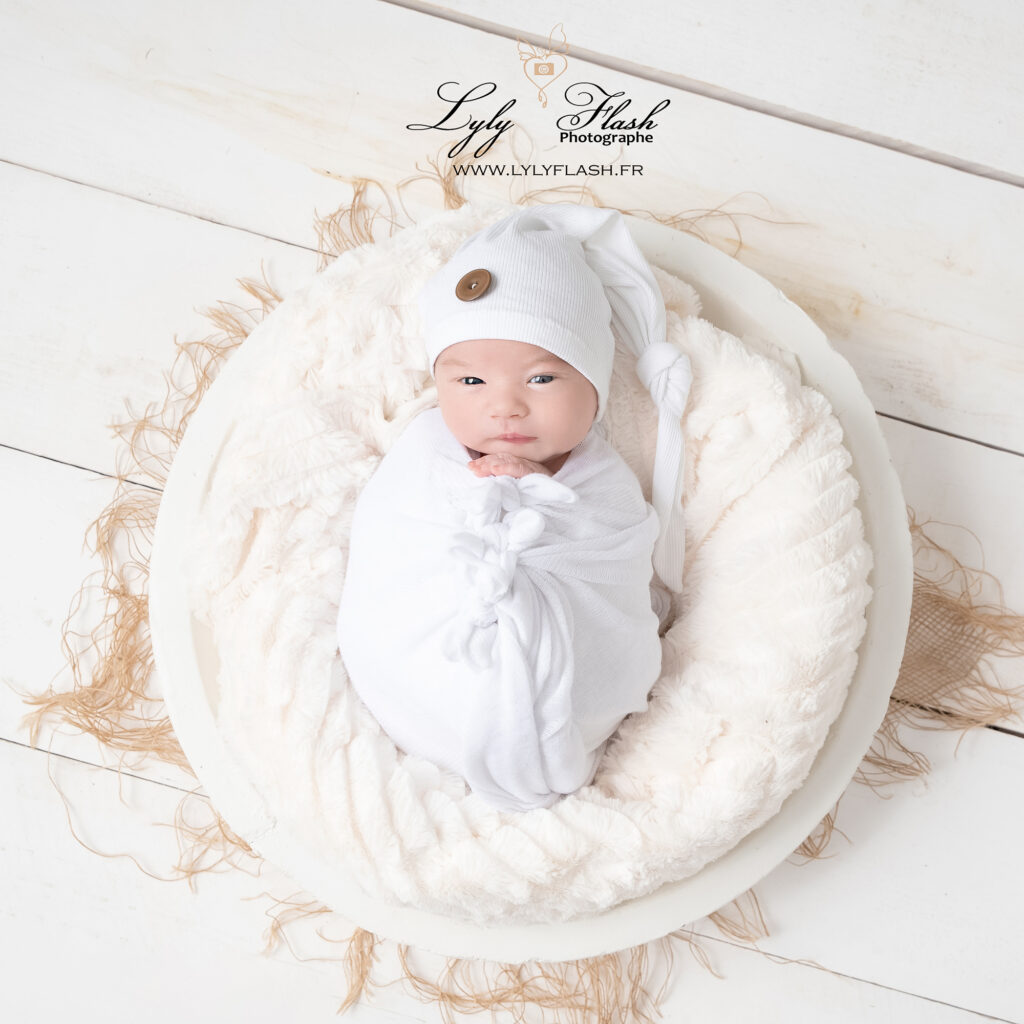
column 150, row 158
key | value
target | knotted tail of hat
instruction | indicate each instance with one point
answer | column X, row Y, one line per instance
column 638, row 320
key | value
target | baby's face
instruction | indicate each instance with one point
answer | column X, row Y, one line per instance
column 490, row 387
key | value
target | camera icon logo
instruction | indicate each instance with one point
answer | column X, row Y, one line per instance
column 544, row 65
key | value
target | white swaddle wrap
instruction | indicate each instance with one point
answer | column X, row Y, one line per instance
column 501, row 627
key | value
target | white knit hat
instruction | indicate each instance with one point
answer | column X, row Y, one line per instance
column 563, row 277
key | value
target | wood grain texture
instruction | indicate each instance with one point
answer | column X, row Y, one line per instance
column 45, row 560
column 942, row 77
column 973, row 493
column 922, row 893
column 78, row 105
column 909, row 267
column 91, row 938
column 101, row 286
column 128, row 947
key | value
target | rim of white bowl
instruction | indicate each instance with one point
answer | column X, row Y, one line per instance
column 739, row 301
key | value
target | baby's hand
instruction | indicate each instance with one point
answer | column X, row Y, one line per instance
column 503, row 464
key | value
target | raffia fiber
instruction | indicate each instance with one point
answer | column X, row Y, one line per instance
column 944, row 683
column 113, row 701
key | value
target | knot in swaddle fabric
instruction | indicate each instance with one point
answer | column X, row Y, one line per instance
column 501, row 627
column 486, row 556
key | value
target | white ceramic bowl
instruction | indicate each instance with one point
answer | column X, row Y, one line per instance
column 737, row 300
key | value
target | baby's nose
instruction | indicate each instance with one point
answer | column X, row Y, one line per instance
column 508, row 403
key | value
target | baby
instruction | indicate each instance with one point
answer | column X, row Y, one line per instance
column 526, row 408
column 497, row 616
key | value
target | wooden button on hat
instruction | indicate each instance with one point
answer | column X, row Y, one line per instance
column 473, row 285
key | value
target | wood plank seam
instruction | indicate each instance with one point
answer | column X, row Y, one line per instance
column 712, row 92
column 159, row 206
column 777, row 958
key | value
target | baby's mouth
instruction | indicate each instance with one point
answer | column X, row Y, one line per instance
column 515, row 438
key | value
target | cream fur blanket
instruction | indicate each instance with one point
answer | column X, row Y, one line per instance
column 755, row 663
column 501, row 627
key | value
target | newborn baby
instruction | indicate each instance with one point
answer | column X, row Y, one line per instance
column 494, row 413
column 496, row 616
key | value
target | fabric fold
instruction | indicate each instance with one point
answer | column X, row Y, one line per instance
column 501, row 627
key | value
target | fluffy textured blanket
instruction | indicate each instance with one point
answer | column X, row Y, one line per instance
column 759, row 651
column 500, row 627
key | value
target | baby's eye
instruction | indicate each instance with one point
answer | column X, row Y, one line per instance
column 470, row 379
column 547, row 376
